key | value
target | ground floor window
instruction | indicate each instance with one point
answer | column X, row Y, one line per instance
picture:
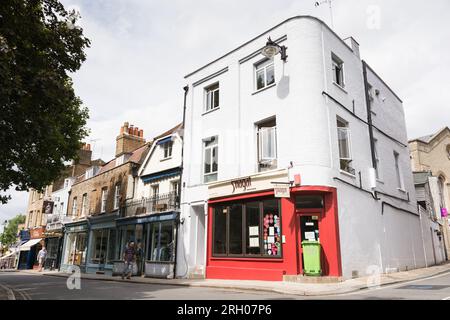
column 250, row 228
column 130, row 233
column 103, row 246
column 161, row 241
column 75, row 252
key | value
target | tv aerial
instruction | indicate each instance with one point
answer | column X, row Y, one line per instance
column 330, row 5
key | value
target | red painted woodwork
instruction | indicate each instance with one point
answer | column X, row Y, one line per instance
column 290, row 263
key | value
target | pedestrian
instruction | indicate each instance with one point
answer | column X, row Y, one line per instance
column 42, row 255
column 129, row 256
column 139, row 256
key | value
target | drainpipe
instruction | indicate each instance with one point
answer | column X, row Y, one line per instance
column 369, row 115
column 179, row 220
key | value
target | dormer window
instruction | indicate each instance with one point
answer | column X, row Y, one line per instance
column 167, row 149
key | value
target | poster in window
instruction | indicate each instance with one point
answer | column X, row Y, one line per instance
column 254, row 242
column 272, row 236
column 253, row 231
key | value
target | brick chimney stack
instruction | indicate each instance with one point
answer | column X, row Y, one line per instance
column 130, row 138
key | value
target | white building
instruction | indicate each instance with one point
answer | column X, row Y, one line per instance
column 254, row 123
column 154, row 209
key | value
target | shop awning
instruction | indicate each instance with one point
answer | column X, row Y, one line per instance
column 27, row 246
column 7, row 256
column 162, row 141
column 161, row 175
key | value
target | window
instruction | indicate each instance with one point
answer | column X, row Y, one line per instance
column 167, row 149
column 84, row 205
column 448, row 151
column 74, row 207
column 162, row 242
column 104, row 197
column 441, row 184
column 267, row 145
column 117, row 196
column 261, row 235
column 264, row 74
column 345, row 158
column 210, row 159
column 308, row 202
column 398, row 172
column 212, row 97
column 155, row 190
column 377, row 159
column 338, row 70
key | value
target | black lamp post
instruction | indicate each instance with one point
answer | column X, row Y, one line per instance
column 272, row 49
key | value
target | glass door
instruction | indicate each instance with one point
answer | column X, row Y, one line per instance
column 309, row 231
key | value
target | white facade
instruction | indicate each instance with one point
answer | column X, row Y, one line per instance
column 305, row 103
column 60, row 200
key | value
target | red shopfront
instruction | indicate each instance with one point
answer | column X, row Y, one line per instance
column 255, row 236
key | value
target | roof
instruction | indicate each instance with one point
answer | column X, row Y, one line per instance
column 430, row 137
column 421, row 177
column 170, row 131
column 136, row 156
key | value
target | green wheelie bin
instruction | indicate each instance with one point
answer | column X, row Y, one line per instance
column 311, row 258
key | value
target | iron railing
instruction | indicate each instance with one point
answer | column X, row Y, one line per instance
column 154, row 204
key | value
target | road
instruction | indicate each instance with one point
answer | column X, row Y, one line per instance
column 26, row 286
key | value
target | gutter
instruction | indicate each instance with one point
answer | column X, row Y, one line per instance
column 369, row 115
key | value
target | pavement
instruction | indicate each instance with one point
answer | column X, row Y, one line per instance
column 282, row 287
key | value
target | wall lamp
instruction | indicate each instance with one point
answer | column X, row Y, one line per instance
column 272, row 49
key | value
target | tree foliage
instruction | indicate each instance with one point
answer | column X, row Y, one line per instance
column 42, row 121
column 9, row 235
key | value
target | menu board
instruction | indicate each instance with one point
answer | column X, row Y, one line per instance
column 272, row 234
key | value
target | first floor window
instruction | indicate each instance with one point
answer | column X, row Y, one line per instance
column 248, row 229
column 104, row 197
column 398, row 171
column 211, row 157
column 116, row 197
column 345, row 157
column 267, row 145
column 84, row 205
column 74, row 207
column 377, row 159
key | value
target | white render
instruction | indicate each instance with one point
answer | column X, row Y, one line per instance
column 307, row 137
column 60, row 200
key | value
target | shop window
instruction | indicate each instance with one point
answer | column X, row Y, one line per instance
column 220, row 230
column 75, row 252
column 98, row 246
column 252, row 227
column 261, row 235
column 308, row 202
column 235, row 222
column 162, row 242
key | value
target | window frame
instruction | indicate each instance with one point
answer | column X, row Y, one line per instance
column 399, row 175
column 263, row 65
column 210, row 147
column 167, row 148
column 84, row 201
column 210, row 98
column 338, row 62
column 74, row 207
column 104, row 197
column 350, row 159
column 377, row 159
column 244, row 231
column 116, row 203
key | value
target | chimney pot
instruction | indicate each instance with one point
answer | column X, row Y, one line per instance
column 141, row 133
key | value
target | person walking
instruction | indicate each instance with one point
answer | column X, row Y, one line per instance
column 129, row 256
column 42, row 255
column 139, row 257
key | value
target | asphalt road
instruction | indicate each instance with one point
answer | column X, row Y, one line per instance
column 25, row 286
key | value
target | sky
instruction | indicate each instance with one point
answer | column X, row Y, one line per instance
column 141, row 50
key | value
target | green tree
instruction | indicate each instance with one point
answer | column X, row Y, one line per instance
column 9, row 235
column 42, row 121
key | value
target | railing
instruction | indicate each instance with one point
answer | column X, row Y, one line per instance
column 159, row 203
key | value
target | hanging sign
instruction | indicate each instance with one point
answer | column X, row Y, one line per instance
column 282, row 191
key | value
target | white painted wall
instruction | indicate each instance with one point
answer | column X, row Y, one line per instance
column 307, row 136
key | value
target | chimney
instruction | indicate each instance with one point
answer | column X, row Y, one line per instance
column 353, row 45
column 130, row 138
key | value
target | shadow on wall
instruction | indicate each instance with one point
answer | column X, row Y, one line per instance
column 283, row 87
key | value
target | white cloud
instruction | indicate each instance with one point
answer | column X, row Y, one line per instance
column 142, row 49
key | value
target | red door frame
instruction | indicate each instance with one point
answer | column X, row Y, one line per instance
column 298, row 214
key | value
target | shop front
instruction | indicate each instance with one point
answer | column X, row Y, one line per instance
column 75, row 245
column 156, row 235
column 103, row 247
column 257, row 230
column 28, row 251
column 54, row 239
